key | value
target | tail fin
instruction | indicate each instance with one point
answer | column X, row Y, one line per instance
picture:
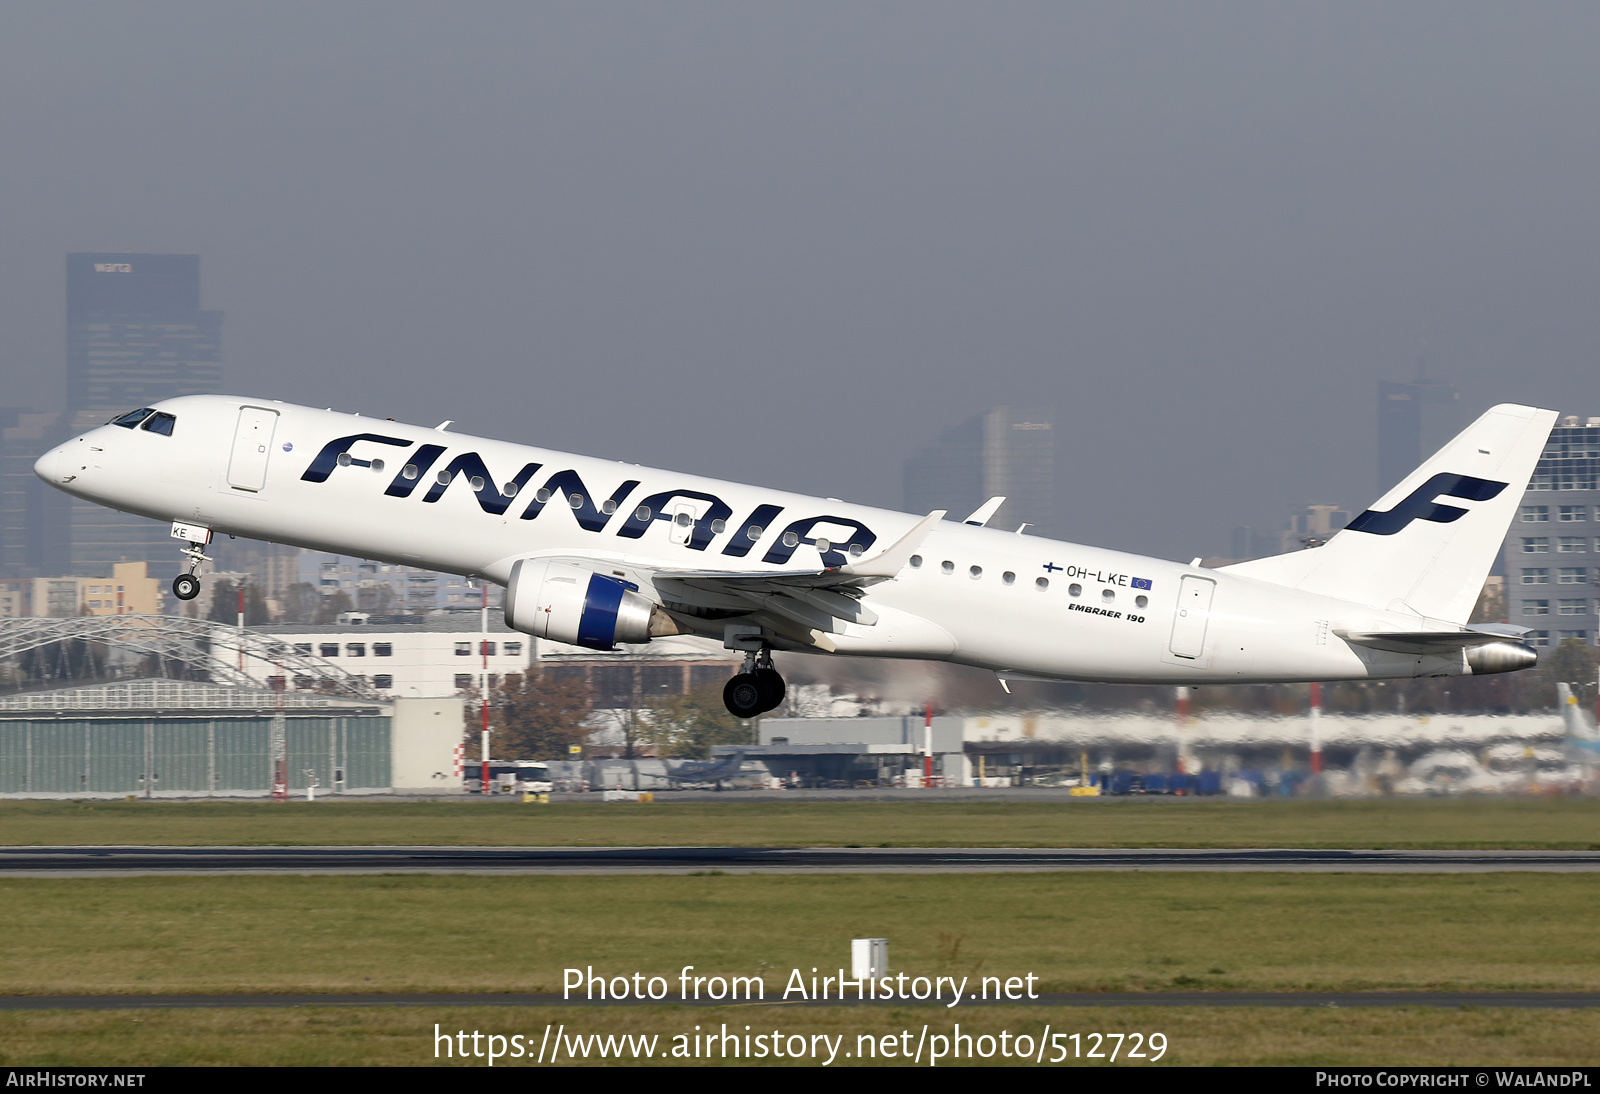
column 1573, row 716
column 1416, row 550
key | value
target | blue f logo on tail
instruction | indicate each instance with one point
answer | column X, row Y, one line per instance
column 1420, row 504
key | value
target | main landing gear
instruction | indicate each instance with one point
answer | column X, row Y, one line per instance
column 757, row 689
column 186, row 586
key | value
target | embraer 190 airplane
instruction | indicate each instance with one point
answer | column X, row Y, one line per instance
column 593, row 552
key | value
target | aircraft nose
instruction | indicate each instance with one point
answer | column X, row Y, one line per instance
column 56, row 466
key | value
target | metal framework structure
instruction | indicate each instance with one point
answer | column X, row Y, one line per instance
column 215, row 649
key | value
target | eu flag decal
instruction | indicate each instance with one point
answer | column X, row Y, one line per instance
column 1141, row 583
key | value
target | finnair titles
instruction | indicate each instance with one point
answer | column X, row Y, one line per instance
column 596, row 553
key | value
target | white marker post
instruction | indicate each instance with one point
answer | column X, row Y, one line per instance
column 869, row 958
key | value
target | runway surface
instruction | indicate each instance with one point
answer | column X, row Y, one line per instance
column 137, row 861
column 1521, row 999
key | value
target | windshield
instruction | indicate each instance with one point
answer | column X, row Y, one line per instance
column 132, row 417
column 161, row 423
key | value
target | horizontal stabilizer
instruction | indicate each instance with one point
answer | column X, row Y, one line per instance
column 1420, row 642
column 1486, row 649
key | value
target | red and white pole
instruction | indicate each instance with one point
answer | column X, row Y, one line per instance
column 1316, row 729
column 483, row 648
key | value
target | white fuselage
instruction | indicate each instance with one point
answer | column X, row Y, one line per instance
column 999, row 600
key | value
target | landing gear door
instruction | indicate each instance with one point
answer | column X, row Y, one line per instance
column 1188, row 642
column 252, row 446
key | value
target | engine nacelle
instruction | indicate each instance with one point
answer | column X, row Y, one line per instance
column 567, row 603
column 1505, row 656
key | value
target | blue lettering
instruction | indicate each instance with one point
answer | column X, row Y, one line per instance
column 490, row 499
column 328, row 458
column 590, row 517
column 832, row 558
column 657, row 506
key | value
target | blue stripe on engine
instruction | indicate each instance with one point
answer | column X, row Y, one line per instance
column 597, row 626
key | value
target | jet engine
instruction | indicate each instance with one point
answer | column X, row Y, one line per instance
column 567, row 603
column 1501, row 657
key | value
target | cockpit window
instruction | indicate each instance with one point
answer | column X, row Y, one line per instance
column 132, row 418
column 161, row 423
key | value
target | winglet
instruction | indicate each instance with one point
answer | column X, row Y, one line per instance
column 892, row 560
column 985, row 512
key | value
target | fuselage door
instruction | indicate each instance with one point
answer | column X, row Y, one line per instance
column 683, row 519
column 252, row 446
column 1194, row 613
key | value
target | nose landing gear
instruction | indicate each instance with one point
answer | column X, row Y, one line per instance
column 186, row 586
column 756, row 690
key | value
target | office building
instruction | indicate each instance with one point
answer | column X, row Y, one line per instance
column 128, row 591
column 1007, row 452
column 135, row 334
column 1414, row 421
column 33, row 516
column 1552, row 553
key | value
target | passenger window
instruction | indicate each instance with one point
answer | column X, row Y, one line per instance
column 1041, row 583
column 1074, row 589
column 1141, row 601
column 1108, row 595
column 947, row 566
column 132, row 418
column 160, row 423
column 1008, row 577
column 975, row 571
column 916, row 560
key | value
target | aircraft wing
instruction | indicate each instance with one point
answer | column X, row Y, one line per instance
column 814, row 600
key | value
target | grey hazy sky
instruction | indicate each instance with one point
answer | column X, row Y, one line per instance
column 784, row 242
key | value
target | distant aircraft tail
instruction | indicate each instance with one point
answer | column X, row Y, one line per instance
column 1574, row 717
column 1426, row 546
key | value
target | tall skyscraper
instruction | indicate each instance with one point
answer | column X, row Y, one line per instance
column 135, row 334
column 1552, row 553
column 1414, row 421
column 1006, row 453
column 33, row 516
